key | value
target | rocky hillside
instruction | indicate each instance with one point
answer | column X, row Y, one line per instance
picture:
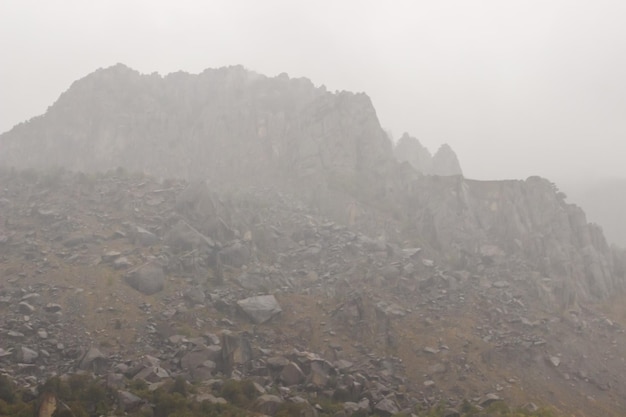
column 144, row 283
column 235, row 127
column 443, row 163
column 234, row 226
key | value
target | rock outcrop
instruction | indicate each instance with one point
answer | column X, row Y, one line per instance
column 479, row 223
column 443, row 163
column 224, row 124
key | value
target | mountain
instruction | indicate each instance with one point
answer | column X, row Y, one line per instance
column 228, row 226
column 223, row 124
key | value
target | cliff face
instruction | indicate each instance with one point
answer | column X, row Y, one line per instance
column 526, row 225
column 219, row 124
column 230, row 124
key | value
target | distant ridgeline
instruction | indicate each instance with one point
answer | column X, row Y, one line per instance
column 233, row 126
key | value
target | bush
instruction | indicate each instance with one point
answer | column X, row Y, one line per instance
column 7, row 390
column 239, row 393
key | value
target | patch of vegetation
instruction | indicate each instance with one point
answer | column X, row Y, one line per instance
column 240, row 393
column 83, row 396
column 497, row 409
column 7, row 390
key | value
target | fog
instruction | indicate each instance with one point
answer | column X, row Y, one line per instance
column 516, row 88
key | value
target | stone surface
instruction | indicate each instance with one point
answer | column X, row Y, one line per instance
column 148, row 278
column 261, row 308
column 268, row 404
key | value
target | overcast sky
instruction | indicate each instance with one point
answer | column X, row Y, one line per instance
column 517, row 88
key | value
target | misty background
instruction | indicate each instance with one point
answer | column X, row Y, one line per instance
column 516, row 88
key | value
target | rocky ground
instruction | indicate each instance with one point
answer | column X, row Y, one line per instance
column 132, row 279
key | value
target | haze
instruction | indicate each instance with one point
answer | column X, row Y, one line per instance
column 516, row 88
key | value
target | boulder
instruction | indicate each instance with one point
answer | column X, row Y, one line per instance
column 148, row 278
column 27, row 355
column 236, row 255
column 291, row 374
column 128, row 401
column 261, row 308
column 144, row 237
column 152, row 374
column 183, row 238
column 386, row 407
column 268, row 404
column 93, row 360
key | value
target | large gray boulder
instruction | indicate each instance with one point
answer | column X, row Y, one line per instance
column 261, row 308
column 148, row 278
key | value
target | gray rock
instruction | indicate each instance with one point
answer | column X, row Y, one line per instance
column 122, row 262
column 236, row 350
column 148, row 279
column 15, row 335
column 320, row 373
column 489, row 399
column 236, row 255
column 261, row 308
column 128, row 401
column 267, row 404
column 201, row 362
column 27, row 355
column 94, row 361
column 152, row 374
column 291, row 374
column 195, row 295
column 25, row 308
column 115, row 380
column 277, row 362
column 183, row 238
column 53, row 308
column 386, row 407
column 144, row 237
column 110, row 256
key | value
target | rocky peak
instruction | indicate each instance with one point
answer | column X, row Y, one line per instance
column 443, row 163
column 410, row 149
